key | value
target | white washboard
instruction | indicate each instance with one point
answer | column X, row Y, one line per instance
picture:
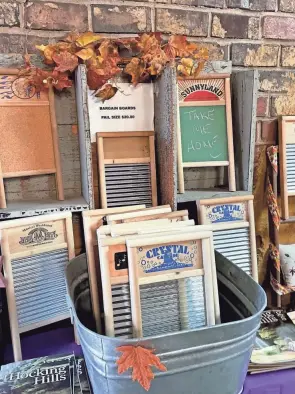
column 35, row 252
column 233, row 225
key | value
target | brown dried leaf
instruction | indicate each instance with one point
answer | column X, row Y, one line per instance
column 108, row 48
column 85, row 54
column 60, row 80
column 87, row 38
column 136, row 68
column 107, row 92
column 140, row 360
column 71, row 38
column 65, row 61
column 96, row 79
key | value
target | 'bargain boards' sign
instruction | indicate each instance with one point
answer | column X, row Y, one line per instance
column 131, row 109
column 167, row 257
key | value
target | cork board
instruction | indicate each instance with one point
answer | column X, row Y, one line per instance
column 26, row 143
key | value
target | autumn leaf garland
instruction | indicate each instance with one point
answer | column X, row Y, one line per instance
column 141, row 58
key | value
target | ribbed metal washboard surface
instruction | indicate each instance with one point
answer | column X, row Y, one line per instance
column 128, row 184
column 234, row 244
column 40, row 287
column 290, row 159
column 172, row 306
column 122, row 311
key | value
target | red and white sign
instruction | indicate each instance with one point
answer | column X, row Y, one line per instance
column 201, row 90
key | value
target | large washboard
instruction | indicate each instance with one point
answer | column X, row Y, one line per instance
column 287, row 161
column 114, row 274
column 233, row 227
column 171, row 284
column 35, row 252
column 127, row 170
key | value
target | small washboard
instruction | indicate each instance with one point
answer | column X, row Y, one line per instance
column 171, row 283
column 127, row 169
column 233, row 227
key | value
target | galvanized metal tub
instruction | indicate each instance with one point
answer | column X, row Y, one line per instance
column 203, row 361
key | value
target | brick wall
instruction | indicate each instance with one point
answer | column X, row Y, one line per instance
column 250, row 33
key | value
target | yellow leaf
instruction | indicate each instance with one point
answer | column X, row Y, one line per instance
column 85, row 54
column 41, row 47
column 87, row 38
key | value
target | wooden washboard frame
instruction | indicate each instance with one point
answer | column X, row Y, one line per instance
column 132, row 152
column 92, row 220
column 175, row 216
column 233, row 225
column 148, row 212
column 226, row 102
column 286, row 162
column 38, row 154
column 195, row 273
column 24, row 244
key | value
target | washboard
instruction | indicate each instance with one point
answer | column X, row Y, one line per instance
column 28, row 132
column 92, row 220
column 171, row 283
column 287, row 161
column 233, row 225
column 115, row 280
column 127, row 168
column 35, row 252
column 148, row 212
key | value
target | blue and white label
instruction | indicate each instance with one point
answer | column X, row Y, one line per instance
column 225, row 213
column 168, row 257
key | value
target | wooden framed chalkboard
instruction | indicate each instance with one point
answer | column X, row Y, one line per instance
column 28, row 132
column 205, row 125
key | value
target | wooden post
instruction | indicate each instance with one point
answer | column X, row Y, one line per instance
column 231, row 159
column 2, row 190
column 101, row 173
column 273, row 232
column 11, row 301
column 153, row 170
column 59, row 181
column 179, row 153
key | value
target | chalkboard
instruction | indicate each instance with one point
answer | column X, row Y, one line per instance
column 203, row 133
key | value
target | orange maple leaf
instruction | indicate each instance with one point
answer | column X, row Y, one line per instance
column 65, row 61
column 141, row 360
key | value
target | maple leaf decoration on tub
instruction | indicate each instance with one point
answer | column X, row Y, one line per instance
column 140, row 360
